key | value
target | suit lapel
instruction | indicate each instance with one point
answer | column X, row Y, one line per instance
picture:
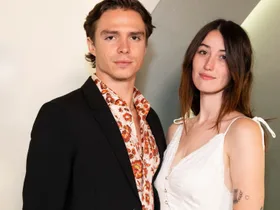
column 104, row 117
column 158, row 133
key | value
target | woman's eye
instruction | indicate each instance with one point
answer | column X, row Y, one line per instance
column 223, row 57
column 202, row 52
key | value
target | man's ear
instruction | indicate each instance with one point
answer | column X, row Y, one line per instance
column 91, row 46
column 146, row 47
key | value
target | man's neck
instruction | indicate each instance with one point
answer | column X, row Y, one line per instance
column 123, row 88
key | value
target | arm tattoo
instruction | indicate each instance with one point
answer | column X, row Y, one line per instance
column 237, row 195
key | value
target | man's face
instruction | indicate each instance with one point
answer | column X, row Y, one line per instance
column 119, row 45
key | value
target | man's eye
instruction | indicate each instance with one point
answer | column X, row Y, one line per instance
column 136, row 38
column 109, row 38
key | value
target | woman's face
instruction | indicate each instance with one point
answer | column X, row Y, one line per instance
column 210, row 70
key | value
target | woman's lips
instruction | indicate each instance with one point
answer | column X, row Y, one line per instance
column 206, row 76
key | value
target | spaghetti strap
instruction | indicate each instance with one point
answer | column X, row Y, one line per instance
column 178, row 121
column 261, row 120
column 258, row 120
column 177, row 132
column 233, row 122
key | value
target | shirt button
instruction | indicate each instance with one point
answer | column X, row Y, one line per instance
column 165, row 190
column 166, row 202
column 166, row 178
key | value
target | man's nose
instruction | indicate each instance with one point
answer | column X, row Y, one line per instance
column 123, row 46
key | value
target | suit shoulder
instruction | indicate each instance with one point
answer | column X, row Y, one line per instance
column 68, row 98
column 60, row 106
column 153, row 113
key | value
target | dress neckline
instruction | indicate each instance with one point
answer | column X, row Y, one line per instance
column 171, row 169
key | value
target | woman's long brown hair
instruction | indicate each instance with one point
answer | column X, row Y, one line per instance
column 237, row 94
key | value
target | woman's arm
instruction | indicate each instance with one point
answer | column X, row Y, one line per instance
column 246, row 155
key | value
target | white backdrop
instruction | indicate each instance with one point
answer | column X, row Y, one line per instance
column 42, row 47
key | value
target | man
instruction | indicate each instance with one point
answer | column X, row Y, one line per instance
column 100, row 147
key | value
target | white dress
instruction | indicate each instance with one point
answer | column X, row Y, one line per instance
column 197, row 181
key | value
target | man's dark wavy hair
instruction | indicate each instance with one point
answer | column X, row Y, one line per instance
column 105, row 5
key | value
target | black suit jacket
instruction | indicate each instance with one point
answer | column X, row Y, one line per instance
column 77, row 159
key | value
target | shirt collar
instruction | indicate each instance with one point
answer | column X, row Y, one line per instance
column 140, row 102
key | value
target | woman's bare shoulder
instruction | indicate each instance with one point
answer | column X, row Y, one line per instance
column 244, row 134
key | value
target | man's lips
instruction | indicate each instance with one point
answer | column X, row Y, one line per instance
column 122, row 63
column 206, row 76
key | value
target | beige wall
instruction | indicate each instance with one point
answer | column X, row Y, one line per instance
column 263, row 28
column 41, row 58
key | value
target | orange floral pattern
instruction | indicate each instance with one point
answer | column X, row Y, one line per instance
column 143, row 155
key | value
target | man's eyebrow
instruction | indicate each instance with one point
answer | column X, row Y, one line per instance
column 133, row 33
column 137, row 33
column 207, row 46
column 105, row 32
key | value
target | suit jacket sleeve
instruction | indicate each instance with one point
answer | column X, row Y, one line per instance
column 48, row 161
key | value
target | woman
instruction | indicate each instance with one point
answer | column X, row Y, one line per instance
column 215, row 160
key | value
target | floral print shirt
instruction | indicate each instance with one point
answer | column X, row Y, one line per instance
column 143, row 155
